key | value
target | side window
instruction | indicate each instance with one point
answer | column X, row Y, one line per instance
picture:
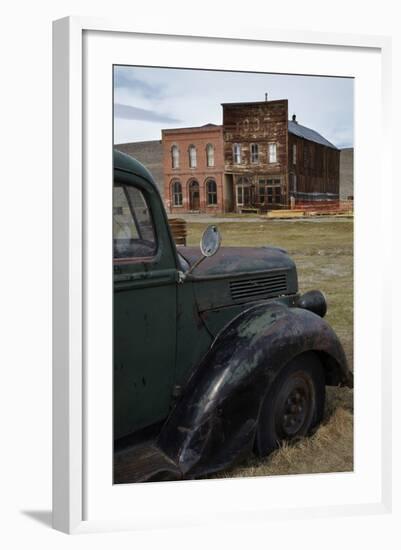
column 133, row 232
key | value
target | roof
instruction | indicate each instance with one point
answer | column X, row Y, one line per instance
column 306, row 133
column 240, row 103
column 205, row 127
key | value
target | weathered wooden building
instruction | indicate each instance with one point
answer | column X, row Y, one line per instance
column 313, row 165
column 256, row 161
column 269, row 159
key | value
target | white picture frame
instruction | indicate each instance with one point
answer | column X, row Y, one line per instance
column 84, row 499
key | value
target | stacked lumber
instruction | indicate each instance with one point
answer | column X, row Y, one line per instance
column 178, row 228
column 285, row 214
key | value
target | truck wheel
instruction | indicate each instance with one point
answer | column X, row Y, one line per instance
column 294, row 404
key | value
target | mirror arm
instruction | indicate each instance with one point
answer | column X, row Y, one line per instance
column 183, row 275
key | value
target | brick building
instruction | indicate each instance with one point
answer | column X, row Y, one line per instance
column 256, row 161
column 193, row 169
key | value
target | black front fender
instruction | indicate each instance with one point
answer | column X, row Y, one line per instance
column 215, row 420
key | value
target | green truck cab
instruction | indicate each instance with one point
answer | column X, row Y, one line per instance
column 216, row 353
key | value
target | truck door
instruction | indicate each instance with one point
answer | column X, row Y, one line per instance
column 144, row 307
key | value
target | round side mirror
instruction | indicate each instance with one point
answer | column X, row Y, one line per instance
column 211, row 240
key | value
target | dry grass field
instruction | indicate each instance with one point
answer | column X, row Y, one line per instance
column 323, row 252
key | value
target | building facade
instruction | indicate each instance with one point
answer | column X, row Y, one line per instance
column 255, row 154
column 257, row 160
column 193, row 169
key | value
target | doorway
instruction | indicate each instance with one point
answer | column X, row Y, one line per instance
column 243, row 192
column 194, row 202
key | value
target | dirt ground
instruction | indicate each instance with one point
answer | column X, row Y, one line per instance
column 323, row 252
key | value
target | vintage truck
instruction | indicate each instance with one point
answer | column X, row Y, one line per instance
column 216, row 353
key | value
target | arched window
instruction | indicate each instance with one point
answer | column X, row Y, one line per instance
column 209, row 155
column 175, row 157
column 211, row 190
column 177, row 193
column 192, row 156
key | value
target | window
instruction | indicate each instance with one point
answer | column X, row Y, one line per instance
column 175, row 157
column 133, row 233
column 269, row 191
column 211, row 189
column 262, row 190
column 237, row 153
column 272, row 152
column 273, row 190
column 192, row 156
column 240, row 195
column 254, row 153
column 209, row 155
column 243, row 190
column 294, row 153
column 177, row 193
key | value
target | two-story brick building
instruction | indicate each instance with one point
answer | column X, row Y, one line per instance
column 193, row 169
column 257, row 160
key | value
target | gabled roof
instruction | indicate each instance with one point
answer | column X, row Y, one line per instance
column 306, row 133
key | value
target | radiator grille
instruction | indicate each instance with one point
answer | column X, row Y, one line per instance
column 271, row 285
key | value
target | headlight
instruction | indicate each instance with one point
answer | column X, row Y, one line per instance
column 314, row 301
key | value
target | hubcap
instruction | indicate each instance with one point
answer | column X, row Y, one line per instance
column 294, row 405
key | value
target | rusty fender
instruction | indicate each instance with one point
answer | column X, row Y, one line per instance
column 214, row 422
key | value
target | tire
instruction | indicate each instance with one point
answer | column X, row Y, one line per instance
column 293, row 405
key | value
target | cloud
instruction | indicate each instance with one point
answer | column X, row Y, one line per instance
column 135, row 113
column 124, row 78
column 186, row 97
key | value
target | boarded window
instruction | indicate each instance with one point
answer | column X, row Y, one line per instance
column 294, row 154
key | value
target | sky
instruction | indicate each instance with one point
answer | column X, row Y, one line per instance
column 147, row 99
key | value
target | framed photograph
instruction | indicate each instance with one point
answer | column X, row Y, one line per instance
column 192, row 382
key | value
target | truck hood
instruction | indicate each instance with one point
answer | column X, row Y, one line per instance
column 236, row 260
column 240, row 275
